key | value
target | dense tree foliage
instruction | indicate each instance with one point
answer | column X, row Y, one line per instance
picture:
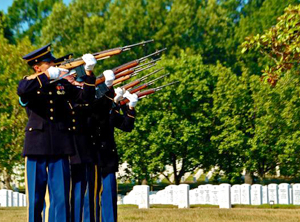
column 220, row 114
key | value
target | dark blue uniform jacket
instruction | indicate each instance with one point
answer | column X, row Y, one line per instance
column 50, row 126
column 104, row 120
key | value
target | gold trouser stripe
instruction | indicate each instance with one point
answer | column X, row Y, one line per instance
column 47, row 201
column 95, row 190
column 88, row 84
column 26, row 187
column 39, row 82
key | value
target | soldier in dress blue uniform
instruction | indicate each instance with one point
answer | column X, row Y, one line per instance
column 82, row 162
column 106, row 116
column 49, row 139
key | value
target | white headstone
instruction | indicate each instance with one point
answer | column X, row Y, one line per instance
column 144, row 197
column 15, row 199
column 23, row 200
column 3, row 198
column 265, row 195
column 201, row 194
column 245, row 194
column 256, row 194
column 224, row 196
column 236, row 194
column 183, row 196
column 296, row 194
column 291, row 195
column 214, row 192
column 284, row 193
column 170, row 194
column 207, row 194
column 273, row 193
column 10, row 198
column 193, row 196
column 119, row 199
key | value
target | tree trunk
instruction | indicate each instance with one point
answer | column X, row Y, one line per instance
column 145, row 182
column 7, row 180
column 248, row 178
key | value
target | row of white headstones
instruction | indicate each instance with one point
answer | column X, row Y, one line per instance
column 223, row 195
column 9, row 198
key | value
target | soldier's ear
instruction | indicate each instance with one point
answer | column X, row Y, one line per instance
column 36, row 68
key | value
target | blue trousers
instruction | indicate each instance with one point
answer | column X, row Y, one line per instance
column 100, row 202
column 54, row 173
column 79, row 175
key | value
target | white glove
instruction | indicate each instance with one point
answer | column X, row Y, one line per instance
column 90, row 62
column 54, row 72
column 109, row 77
column 133, row 98
column 119, row 94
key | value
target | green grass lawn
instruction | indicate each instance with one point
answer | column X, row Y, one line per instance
column 130, row 213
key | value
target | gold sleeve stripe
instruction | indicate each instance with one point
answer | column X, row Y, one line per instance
column 130, row 116
column 39, row 82
column 88, row 84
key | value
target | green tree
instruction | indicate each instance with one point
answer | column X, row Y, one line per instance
column 12, row 115
column 174, row 126
column 27, row 17
column 280, row 45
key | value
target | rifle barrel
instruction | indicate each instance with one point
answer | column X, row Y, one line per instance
column 152, row 54
column 137, row 44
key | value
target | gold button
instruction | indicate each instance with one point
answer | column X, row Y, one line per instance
column 73, row 120
column 50, row 93
column 74, row 128
column 30, row 129
column 51, row 117
column 38, row 92
column 73, row 112
column 51, row 110
column 51, row 101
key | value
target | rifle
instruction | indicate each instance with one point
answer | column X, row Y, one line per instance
column 131, row 70
column 101, row 55
column 134, row 63
column 145, row 85
column 100, row 79
column 137, row 81
column 147, row 92
column 76, row 63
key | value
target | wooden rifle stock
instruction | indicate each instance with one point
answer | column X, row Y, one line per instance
column 140, row 94
column 148, row 92
column 131, row 84
column 145, row 85
column 139, row 88
column 125, row 66
column 119, row 80
column 134, row 63
column 125, row 73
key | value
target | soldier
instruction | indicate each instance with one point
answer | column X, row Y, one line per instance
column 106, row 116
column 82, row 161
column 49, row 134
